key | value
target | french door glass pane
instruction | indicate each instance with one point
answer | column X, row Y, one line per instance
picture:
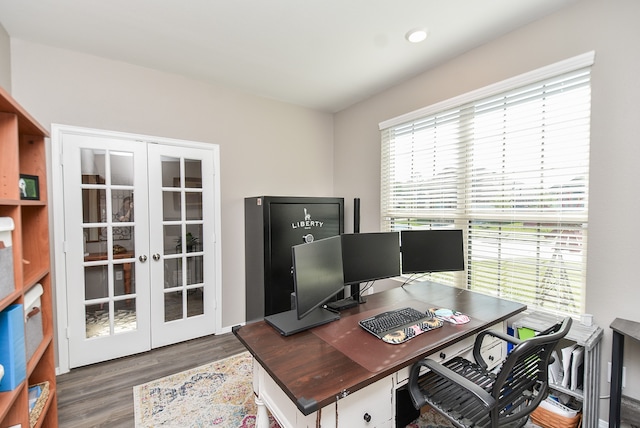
column 183, row 235
column 124, row 278
column 194, row 205
column 193, row 175
column 170, row 172
column 195, row 299
column 173, row 306
column 171, row 205
column 194, row 237
column 96, row 282
column 124, row 317
column 172, row 234
column 121, row 168
column 194, row 266
column 97, row 323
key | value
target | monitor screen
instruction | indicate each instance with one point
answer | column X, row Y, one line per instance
column 317, row 273
column 370, row 256
column 431, row 250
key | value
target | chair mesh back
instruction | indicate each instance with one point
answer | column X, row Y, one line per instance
column 522, row 381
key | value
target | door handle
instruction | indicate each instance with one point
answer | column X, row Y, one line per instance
column 156, row 257
column 142, row 258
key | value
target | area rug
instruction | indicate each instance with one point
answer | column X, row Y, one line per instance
column 218, row 394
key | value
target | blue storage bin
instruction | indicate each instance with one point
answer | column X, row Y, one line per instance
column 12, row 347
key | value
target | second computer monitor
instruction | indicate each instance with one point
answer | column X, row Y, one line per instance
column 317, row 273
column 370, row 256
column 432, row 250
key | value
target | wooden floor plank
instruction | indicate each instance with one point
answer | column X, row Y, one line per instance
column 101, row 395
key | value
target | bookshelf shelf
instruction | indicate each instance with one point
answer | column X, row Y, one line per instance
column 590, row 338
column 22, row 144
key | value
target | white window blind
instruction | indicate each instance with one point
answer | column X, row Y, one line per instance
column 509, row 165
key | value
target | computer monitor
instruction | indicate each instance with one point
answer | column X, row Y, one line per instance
column 370, row 256
column 425, row 251
column 317, row 273
column 317, row 277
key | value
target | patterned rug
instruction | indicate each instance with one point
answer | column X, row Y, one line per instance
column 218, row 394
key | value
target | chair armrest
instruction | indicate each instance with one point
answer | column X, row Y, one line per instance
column 418, row 397
column 495, row 333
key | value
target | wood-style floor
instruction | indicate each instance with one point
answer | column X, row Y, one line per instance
column 101, row 395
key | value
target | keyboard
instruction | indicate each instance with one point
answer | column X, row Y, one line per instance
column 399, row 325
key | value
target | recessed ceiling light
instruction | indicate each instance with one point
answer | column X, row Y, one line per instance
column 416, row 35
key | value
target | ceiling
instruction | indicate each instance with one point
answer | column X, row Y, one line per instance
column 321, row 54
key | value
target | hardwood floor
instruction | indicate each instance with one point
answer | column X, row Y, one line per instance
column 101, row 395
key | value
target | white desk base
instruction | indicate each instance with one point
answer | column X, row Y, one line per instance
column 376, row 402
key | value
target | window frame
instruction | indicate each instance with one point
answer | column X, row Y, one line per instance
column 536, row 223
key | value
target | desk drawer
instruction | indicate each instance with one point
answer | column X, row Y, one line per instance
column 493, row 351
column 367, row 408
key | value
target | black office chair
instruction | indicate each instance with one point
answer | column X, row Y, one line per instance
column 469, row 395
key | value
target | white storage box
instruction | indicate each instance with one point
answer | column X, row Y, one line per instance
column 6, row 257
column 33, row 319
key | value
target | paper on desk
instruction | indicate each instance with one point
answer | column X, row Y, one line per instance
column 555, row 369
column 566, row 364
column 577, row 358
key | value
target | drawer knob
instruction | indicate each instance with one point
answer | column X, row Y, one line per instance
column 367, row 417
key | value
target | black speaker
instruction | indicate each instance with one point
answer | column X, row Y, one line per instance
column 355, row 288
column 356, row 215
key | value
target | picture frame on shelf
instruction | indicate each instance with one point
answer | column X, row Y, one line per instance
column 29, row 187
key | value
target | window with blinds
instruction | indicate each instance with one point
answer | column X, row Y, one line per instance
column 508, row 164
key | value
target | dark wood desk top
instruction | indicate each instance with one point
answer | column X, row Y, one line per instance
column 318, row 366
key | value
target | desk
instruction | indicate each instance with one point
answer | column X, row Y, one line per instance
column 340, row 375
column 621, row 328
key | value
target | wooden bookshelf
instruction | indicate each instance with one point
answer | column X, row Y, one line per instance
column 22, row 145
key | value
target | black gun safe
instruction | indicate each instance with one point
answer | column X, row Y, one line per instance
column 273, row 224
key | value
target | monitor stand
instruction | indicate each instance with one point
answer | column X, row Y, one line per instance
column 287, row 323
column 348, row 302
column 342, row 304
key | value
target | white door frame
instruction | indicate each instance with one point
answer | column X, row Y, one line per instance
column 59, row 244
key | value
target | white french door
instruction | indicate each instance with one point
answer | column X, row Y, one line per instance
column 141, row 258
column 181, row 306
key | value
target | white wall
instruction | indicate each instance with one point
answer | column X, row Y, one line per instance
column 5, row 60
column 266, row 147
column 610, row 29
